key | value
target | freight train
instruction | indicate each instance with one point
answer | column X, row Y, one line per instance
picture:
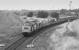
column 32, row 24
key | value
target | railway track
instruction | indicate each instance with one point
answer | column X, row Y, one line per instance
column 29, row 39
column 43, row 32
column 22, row 40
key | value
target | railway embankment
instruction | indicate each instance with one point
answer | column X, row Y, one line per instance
column 66, row 37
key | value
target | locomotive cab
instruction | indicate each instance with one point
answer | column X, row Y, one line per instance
column 27, row 28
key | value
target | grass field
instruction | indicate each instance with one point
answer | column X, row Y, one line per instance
column 10, row 27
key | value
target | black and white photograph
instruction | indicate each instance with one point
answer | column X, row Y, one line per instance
column 39, row 24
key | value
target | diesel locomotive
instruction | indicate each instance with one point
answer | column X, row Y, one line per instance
column 32, row 23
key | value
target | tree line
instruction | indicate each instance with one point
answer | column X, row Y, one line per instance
column 41, row 14
column 38, row 14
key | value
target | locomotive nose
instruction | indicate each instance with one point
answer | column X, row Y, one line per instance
column 26, row 34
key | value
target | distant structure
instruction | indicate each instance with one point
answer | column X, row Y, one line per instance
column 70, row 5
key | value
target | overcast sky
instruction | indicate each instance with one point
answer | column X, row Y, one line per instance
column 37, row 4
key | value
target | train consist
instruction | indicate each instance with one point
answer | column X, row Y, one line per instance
column 31, row 24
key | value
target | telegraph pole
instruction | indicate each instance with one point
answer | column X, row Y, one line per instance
column 70, row 8
column 70, row 5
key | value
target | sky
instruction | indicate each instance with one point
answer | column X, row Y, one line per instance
column 37, row 4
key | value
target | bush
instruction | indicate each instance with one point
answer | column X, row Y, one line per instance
column 42, row 14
